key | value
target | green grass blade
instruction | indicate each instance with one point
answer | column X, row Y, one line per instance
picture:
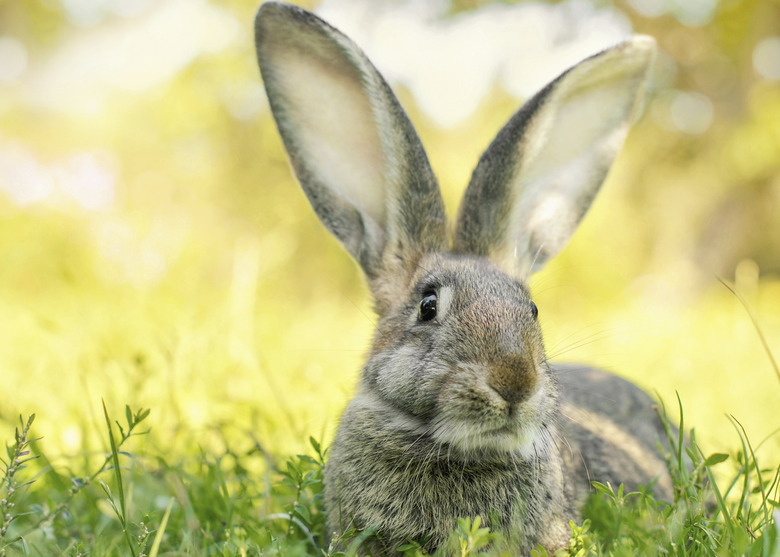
column 764, row 496
column 761, row 336
column 161, row 531
column 745, row 471
column 118, row 477
column 680, row 437
column 722, row 507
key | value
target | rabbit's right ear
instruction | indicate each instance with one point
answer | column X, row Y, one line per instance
column 351, row 145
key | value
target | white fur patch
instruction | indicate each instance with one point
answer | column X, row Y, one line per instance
column 445, row 300
column 516, row 435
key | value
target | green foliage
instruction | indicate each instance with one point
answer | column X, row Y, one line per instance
column 18, row 457
column 472, row 538
column 702, row 519
column 217, row 505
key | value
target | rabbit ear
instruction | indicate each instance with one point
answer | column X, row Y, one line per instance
column 537, row 179
column 351, row 145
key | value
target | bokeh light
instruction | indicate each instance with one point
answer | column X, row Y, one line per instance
column 766, row 58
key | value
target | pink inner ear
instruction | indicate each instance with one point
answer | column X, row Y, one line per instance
column 333, row 123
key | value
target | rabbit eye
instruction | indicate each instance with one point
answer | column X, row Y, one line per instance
column 427, row 310
column 534, row 310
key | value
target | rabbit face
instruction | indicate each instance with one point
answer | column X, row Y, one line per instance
column 463, row 356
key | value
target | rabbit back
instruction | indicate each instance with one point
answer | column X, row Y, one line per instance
column 609, row 432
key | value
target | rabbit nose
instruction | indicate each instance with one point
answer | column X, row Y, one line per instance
column 514, row 377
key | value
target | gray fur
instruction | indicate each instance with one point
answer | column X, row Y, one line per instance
column 460, row 415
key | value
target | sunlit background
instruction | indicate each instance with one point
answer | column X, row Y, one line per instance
column 155, row 251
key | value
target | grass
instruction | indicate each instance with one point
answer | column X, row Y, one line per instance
column 244, row 501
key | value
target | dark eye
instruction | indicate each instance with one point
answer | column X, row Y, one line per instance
column 534, row 310
column 427, row 309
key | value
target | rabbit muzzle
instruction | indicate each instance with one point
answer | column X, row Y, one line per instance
column 514, row 377
column 506, row 343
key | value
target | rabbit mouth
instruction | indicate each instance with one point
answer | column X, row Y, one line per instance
column 510, row 429
column 470, row 438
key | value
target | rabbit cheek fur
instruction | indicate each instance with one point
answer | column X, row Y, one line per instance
column 453, row 418
column 458, row 413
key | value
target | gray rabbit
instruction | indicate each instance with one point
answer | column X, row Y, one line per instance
column 458, row 413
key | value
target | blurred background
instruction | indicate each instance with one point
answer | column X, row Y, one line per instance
column 155, row 250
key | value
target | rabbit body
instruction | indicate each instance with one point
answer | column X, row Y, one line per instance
column 458, row 413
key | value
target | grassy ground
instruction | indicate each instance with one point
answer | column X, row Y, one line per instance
column 241, row 500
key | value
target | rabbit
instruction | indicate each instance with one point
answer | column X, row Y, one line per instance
column 458, row 413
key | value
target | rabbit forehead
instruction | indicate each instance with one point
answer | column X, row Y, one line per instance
column 467, row 275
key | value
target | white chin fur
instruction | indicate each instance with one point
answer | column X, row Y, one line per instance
column 470, row 439
column 517, row 435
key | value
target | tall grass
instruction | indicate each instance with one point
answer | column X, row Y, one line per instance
column 143, row 502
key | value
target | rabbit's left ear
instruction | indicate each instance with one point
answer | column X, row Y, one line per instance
column 537, row 179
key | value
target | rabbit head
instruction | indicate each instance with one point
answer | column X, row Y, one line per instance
column 461, row 356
